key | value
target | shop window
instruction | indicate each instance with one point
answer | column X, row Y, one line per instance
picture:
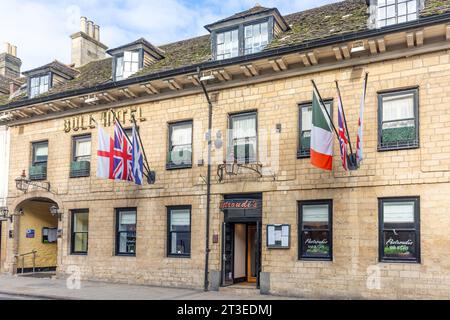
column 242, row 146
column 39, row 157
column 126, row 231
column 399, row 229
column 399, row 120
column 79, row 231
column 305, row 124
column 81, row 156
column 179, row 231
column 180, row 145
column 315, row 230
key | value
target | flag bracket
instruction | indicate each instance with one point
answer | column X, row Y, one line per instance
column 351, row 162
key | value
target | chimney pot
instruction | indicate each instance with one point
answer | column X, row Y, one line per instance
column 14, row 51
column 97, row 32
column 83, row 26
column 7, row 47
column 90, row 29
column 86, row 45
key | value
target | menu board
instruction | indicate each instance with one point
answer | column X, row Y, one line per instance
column 278, row 236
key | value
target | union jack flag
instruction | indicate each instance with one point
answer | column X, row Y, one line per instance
column 343, row 140
column 122, row 155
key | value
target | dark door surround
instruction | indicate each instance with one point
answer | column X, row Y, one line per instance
column 245, row 216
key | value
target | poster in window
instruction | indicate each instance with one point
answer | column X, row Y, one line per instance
column 278, row 236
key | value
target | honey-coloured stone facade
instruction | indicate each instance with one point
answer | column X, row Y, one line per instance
column 423, row 172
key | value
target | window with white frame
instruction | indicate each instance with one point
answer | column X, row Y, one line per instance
column 39, row 85
column 390, row 12
column 127, row 64
column 227, row 44
column 256, row 37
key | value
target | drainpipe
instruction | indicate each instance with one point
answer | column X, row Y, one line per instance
column 208, row 180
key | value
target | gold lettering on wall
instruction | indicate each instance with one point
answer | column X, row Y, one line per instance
column 104, row 118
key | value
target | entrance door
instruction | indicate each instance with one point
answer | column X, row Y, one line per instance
column 227, row 254
column 252, row 253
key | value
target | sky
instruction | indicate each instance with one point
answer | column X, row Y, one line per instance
column 41, row 29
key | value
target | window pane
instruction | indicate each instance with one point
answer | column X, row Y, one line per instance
column 412, row 6
column 398, row 107
column 40, row 152
column 180, row 220
column 315, row 244
column 227, row 44
column 80, row 242
column 244, row 126
column 181, row 134
column 127, row 221
column 390, row 11
column 83, row 148
column 315, row 216
column 80, row 222
column 398, row 212
column 180, row 243
column 244, row 138
column 119, row 68
column 401, row 9
column 399, row 244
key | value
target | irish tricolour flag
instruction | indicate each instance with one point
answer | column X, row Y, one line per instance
column 321, row 136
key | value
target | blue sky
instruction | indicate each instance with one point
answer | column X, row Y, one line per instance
column 41, row 28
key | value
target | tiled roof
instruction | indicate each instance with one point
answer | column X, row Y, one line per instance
column 56, row 65
column 433, row 7
column 255, row 10
column 333, row 19
column 340, row 18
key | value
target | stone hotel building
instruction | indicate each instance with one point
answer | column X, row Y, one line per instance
column 239, row 206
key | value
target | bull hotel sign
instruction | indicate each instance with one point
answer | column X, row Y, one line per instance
column 105, row 118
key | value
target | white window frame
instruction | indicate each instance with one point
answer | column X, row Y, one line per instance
column 38, row 85
column 403, row 12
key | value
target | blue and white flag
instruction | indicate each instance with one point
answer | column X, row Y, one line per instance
column 137, row 157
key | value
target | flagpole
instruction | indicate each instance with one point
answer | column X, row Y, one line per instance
column 140, row 141
column 147, row 167
column 326, row 111
column 345, row 119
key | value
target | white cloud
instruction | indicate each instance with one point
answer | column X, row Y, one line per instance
column 41, row 28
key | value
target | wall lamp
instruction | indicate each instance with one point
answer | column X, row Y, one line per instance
column 5, row 214
column 54, row 210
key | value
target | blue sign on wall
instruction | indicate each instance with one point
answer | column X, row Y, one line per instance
column 30, row 233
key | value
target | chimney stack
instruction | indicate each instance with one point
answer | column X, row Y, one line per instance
column 9, row 62
column 86, row 45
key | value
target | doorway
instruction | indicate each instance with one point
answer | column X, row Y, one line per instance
column 241, row 241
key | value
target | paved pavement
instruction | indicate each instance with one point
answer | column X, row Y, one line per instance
column 20, row 287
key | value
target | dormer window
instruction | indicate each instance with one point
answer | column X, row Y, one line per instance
column 39, row 85
column 42, row 79
column 246, row 32
column 133, row 57
column 256, row 37
column 227, row 44
column 127, row 64
column 390, row 12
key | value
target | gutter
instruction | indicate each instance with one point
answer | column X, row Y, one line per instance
column 427, row 21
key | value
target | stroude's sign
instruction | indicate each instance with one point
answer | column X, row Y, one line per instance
column 239, row 204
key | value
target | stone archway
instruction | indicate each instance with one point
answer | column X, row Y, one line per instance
column 34, row 229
